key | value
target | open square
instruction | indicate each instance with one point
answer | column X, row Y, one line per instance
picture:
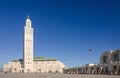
column 52, row 75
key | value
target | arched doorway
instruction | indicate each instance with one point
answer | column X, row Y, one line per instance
column 22, row 70
column 97, row 70
column 15, row 69
column 28, row 70
column 106, row 70
column 79, row 71
column 50, row 72
column 119, row 71
column 92, row 70
column 39, row 70
column 101, row 70
column 73, row 71
column 86, row 71
column 114, row 70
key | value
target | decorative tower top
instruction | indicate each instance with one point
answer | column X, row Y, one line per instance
column 28, row 22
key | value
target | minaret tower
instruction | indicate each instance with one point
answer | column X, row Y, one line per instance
column 28, row 46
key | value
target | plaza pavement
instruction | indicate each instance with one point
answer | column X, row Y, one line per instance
column 39, row 75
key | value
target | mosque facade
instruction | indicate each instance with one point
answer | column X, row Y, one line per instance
column 29, row 63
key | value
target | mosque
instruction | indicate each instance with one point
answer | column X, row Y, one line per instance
column 29, row 63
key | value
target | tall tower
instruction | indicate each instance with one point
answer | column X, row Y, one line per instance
column 28, row 46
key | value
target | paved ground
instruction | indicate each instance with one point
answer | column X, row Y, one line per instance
column 38, row 75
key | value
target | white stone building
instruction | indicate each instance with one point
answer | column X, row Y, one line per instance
column 109, row 64
column 29, row 63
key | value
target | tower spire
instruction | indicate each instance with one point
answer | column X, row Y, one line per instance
column 28, row 22
column 28, row 17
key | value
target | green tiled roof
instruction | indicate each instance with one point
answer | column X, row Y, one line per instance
column 37, row 59
column 44, row 59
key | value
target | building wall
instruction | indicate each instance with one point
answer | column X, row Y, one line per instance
column 109, row 64
column 13, row 67
column 39, row 66
column 48, row 66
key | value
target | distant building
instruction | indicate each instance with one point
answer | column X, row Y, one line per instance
column 29, row 63
column 109, row 64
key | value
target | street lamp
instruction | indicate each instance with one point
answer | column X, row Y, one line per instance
column 90, row 52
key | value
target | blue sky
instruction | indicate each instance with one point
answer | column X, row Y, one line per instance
column 64, row 29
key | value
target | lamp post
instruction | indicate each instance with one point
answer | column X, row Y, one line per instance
column 90, row 52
